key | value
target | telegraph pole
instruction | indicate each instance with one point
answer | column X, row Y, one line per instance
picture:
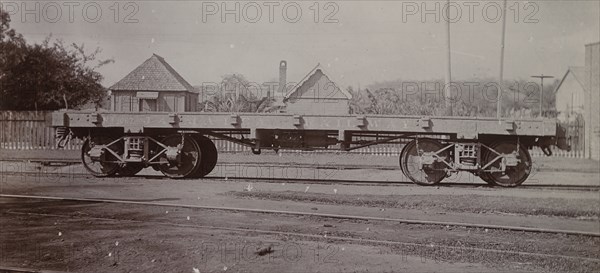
column 501, row 78
column 448, row 79
column 542, row 77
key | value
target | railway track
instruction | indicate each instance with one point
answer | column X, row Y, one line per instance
column 315, row 236
column 401, row 245
column 485, row 250
column 325, row 181
column 73, row 161
column 406, row 183
column 12, row 269
column 311, row 214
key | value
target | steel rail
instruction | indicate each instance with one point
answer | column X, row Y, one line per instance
column 75, row 161
column 313, row 214
column 11, row 269
column 406, row 183
column 313, row 236
column 318, row 181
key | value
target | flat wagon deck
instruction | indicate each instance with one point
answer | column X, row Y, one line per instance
column 176, row 143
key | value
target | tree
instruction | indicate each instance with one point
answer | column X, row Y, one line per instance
column 46, row 76
column 6, row 33
column 235, row 95
column 12, row 46
column 476, row 97
column 235, row 85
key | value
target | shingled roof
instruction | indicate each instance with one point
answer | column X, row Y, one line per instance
column 155, row 74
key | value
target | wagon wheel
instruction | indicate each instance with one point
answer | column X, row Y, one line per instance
column 400, row 159
column 109, row 166
column 209, row 156
column 485, row 176
column 411, row 162
column 513, row 176
column 190, row 157
column 129, row 169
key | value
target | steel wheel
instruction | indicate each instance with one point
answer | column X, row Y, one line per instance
column 190, row 157
column 209, row 156
column 400, row 159
column 130, row 169
column 426, row 175
column 97, row 168
column 513, row 176
column 485, row 176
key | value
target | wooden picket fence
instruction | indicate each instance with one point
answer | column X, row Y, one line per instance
column 30, row 130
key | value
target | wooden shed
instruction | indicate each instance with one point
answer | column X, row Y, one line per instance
column 154, row 86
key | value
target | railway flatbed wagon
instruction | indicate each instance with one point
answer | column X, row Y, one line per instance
column 178, row 144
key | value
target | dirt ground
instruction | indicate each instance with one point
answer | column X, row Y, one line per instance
column 104, row 237
column 560, row 207
column 91, row 237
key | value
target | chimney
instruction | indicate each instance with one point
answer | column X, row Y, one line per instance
column 282, row 78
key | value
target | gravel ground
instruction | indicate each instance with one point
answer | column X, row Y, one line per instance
column 162, row 239
column 211, row 192
column 582, row 209
column 92, row 237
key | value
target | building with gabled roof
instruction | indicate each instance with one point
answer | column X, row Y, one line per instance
column 317, row 94
column 578, row 99
column 571, row 92
column 153, row 86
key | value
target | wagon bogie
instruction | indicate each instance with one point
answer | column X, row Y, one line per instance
column 178, row 155
column 505, row 163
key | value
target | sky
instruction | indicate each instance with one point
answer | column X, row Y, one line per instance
column 357, row 42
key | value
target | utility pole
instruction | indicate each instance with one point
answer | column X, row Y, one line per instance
column 501, row 78
column 448, row 79
column 542, row 77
